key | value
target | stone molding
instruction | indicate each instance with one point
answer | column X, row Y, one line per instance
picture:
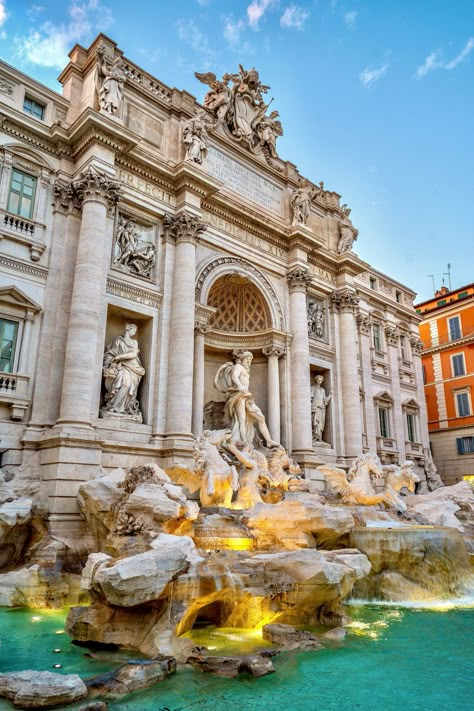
column 252, row 341
column 6, row 87
column 299, row 279
column 364, row 322
column 345, row 300
column 133, row 293
column 183, row 227
column 416, row 344
column 25, row 267
column 202, row 314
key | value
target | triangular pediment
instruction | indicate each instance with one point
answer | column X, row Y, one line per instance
column 13, row 295
column 384, row 396
column 410, row 403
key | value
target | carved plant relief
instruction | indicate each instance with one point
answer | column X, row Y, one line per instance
column 134, row 250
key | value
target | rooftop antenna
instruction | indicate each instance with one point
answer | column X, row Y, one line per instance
column 448, row 274
column 432, row 277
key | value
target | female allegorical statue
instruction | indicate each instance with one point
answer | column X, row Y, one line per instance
column 122, row 374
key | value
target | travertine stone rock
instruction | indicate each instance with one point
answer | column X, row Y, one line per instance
column 41, row 689
column 289, row 637
column 15, row 517
column 298, row 521
column 133, row 676
column 142, row 578
column 38, row 587
column 230, row 667
column 447, row 506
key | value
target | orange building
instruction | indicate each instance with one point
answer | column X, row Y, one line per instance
column 447, row 332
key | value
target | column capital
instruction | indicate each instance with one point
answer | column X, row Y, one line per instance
column 201, row 328
column 299, row 279
column 65, row 197
column 345, row 300
column 391, row 334
column 416, row 344
column 364, row 323
column 94, row 184
column 183, row 227
column 274, row 350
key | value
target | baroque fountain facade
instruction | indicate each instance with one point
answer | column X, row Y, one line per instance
column 211, row 404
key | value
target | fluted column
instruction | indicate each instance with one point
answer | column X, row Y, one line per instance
column 95, row 191
column 298, row 280
column 184, row 228
column 345, row 302
column 273, row 353
column 200, row 330
column 364, row 323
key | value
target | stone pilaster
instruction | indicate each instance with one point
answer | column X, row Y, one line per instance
column 273, row 353
column 392, row 339
column 184, row 228
column 364, row 324
column 298, row 281
column 416, row 350
column 95, row 191
column 345, row 303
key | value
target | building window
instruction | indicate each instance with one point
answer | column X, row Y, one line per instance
column 377, row 336
column 423, row 369
column 411, row 427
column 465, row 445
column 463, row 295
column 384, row 426
column 8, row 335
column 458, row 366
column 403, row 347
column 454, row 328
column 398, row 297
column 442, row 302
column 22, row 194
column 30, row 106
column 373, row 283
column 463, row 405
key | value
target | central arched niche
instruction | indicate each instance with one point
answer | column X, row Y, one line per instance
column 241, row 310
column 240, row 305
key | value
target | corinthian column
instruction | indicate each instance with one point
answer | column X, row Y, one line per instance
column 298, row 280
column 273, row 420
column 184, row 228
column 345, row 304
column 96, row 192
column 392, row 338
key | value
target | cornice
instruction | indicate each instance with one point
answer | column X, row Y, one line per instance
column 25, row 267
column 449, row 345
column 188, row 176
column 94, row 127
column 160, row 176
column 253, row 341
column 276, row 238
column 126, row 290
column 35, row 136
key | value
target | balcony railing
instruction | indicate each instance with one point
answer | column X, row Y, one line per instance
column 14, row 392
column 19, row 224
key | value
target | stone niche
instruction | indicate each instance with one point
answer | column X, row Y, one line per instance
column 117, row 317
column 214, row 358
column 328, row 434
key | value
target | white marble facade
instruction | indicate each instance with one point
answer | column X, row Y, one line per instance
column 206, row 254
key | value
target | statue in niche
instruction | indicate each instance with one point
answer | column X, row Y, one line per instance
column 196, row 137
column 133, row 256
column 122, row 372
column 233, row 380
column 241, row 108
column 300, row 202
column 110, row 84
column 316, row 319
column 319, row 403
column 347, row 231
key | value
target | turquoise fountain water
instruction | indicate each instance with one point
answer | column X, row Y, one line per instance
column 415, row 659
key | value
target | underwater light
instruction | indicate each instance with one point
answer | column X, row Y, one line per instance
column 57, row 666
column 56, row 651
column 36, row 618
column 59, row 631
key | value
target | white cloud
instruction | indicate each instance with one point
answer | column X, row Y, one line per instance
column 49, row 45
column 190, row 33
column 370, row 76
column 435, row 61
column 294, row 17
column 3, row 13
column 232, row 31
column 256, row 10
column 350, row 18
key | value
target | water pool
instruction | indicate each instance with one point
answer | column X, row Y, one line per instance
column 394, row 658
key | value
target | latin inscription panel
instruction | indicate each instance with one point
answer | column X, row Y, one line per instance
column 243, row 181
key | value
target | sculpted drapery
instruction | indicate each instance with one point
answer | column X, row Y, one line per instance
column 123, row 372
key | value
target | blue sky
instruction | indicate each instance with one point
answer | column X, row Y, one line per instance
column 376, row 98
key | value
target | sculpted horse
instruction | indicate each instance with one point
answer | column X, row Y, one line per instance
column 358, row 486
column 218, row 478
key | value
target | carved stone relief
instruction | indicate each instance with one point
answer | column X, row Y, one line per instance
column 300, row 202
column 134, row 248
column 196, row 136
column 317, row 320
column 110, row 83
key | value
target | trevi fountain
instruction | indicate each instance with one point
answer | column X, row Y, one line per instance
column 238, row 519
